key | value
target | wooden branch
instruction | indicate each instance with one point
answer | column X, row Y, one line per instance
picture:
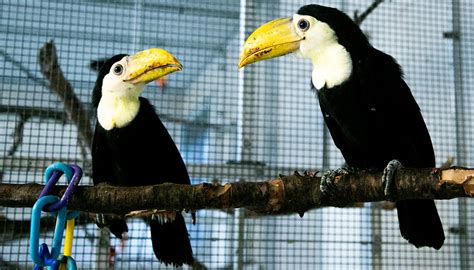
column 283, row 195
column 51, row 70
column 29, row 74
column 18, row 135
column 358, row 19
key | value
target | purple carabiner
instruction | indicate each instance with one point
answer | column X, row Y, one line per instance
column 51, row 183
column 69, row 190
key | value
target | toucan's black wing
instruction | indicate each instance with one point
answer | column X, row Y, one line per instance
column 162, row 162
column 401, row 134
column 163, row 159
column 337, row 135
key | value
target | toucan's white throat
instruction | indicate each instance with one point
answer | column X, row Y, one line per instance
column 331, row 67
column 117, row 112
column 119, row 103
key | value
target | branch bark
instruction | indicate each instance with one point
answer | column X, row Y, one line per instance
column 283, row 195
column 51, row 70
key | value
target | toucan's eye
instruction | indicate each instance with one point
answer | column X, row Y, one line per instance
column 118, row 69
column 303, row 24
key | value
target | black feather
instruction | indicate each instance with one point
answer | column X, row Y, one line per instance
column 170, row 244
column 373, row 118
column 138, row 154
column 96, row 65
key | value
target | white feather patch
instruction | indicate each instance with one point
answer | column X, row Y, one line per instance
column 331, row 67
column 116, row 112
column 119, row 103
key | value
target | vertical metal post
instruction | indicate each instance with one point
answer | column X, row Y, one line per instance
column 460, row 128
column 249, row 108
column 137, row 24
column 376, row 241
column 102, row 250
column 244, row 128
column 247, row 87
column 269, row 11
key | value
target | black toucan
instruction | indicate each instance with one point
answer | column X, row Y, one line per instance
column 132, row 147
column 369, row 110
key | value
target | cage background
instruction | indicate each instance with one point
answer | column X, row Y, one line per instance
column 234, row 125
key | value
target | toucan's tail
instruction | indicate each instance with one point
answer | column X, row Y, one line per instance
column 171, row 241
column 420, row 223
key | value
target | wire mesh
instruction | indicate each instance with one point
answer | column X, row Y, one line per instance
column 233, row 125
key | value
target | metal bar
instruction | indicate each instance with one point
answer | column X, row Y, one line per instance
column 460, row 112
column 376, row 241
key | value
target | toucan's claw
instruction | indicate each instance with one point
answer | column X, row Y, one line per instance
column 327, row 186
column 389, row 176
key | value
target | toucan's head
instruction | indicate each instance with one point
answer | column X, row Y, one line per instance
column 124, row 76
column 309, row 32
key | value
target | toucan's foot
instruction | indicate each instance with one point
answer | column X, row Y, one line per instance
column 328, row 187
column 113, row 223
column 164, row 216
column 389, row 176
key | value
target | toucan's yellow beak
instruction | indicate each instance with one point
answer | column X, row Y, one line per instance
column 149, row 65
column 273, row 39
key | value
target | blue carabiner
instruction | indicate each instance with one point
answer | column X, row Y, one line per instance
column 48, row 203
column 51, row 177
column 49, row 261
column 55, row 170
column 35, row 228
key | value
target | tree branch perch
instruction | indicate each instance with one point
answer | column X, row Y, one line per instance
column 49, row 63
column 283, row 195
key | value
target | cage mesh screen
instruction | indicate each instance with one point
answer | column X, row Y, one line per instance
column 232, row 125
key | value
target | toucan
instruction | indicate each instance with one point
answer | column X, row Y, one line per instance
column 132, row 147
column 368, row 108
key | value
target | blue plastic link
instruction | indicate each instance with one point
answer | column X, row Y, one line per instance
column 41, row 255
column 61, row 167
column 51, row 177
column 73, row 182
column 71, row 263
column 46, row 258
column 52, row 263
